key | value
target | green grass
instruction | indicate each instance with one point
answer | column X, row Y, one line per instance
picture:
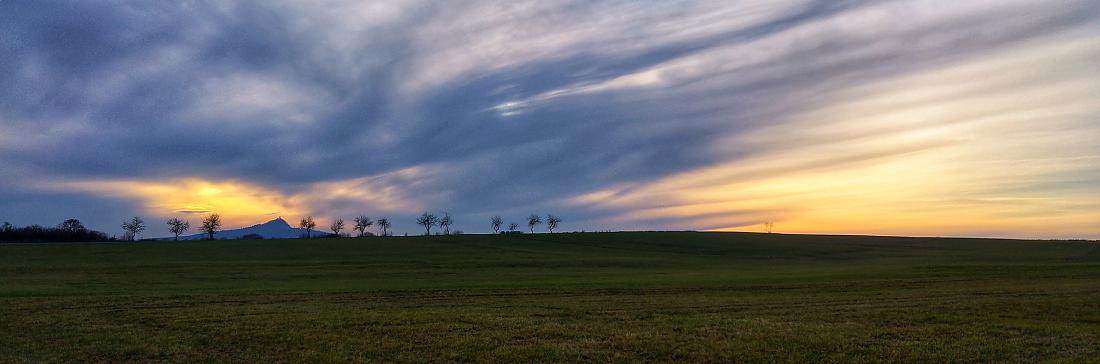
column 620, row 297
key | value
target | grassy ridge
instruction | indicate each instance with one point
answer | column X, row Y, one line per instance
column 592, row 297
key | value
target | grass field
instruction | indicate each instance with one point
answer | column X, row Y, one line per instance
column 620, row 297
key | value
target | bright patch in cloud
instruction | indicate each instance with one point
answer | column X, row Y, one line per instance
column 239, row 203
column 243, row 203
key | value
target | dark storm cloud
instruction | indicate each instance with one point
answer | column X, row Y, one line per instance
column 509, row 107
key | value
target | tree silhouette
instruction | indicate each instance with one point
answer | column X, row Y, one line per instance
column 446, row 223
column 427, row 220
column 552, row 222
column 210, row 225
column 384, row 223
column 133, row 227
column 533, row 221
column 178, row 226
column 513, row 227
column 66, row 231
column 496, row 223
column 337, row 226
column 308, row 224
column 768, row 226
column 72, row 226
column 362, row 223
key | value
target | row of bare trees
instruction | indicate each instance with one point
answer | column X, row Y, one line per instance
column 444, row 221
column 135, row 226
column 532, row 221
column 362, row 223
column 429, row 220
column 211, row 224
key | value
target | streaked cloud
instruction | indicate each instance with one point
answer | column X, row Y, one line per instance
column 931, row 153
column 897, row 117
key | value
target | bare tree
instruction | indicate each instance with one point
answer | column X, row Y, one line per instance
column 337, row 226
column 552, row 222
column 533, row 221
column 446, row 223
column 513, row 227
column 362, row 223
column 210, row 225
column 178, row 226
column 133, row 227
column 72, row 226
column 427, row 220
column 768, row 226
column 496, row 223
column 308, row 224
column 384, row 224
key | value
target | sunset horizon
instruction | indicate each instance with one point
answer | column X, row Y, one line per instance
column 549, row 181
column 883, row 118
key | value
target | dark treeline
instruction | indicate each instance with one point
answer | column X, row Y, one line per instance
column 68, row 231
column 73, row 230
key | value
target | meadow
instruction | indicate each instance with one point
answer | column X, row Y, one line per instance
column 602, row 297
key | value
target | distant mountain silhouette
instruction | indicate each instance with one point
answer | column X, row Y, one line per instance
column 274, row 229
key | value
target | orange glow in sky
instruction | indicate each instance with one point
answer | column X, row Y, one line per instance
column 239, row 203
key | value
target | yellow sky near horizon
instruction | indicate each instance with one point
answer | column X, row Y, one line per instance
column 933, row 153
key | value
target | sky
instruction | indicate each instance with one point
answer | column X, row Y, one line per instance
column 935, row 118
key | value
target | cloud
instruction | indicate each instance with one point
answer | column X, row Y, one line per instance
column 932, row 153
column 238, row 202
column 257, row 99
column 679, row 115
